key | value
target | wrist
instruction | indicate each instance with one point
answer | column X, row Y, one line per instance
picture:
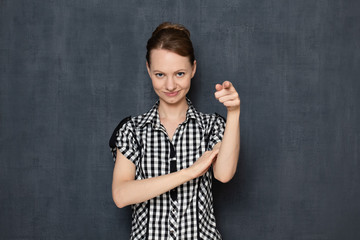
column 233, row 112
column 187, row 174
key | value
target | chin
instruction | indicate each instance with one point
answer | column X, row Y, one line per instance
column 173, row 100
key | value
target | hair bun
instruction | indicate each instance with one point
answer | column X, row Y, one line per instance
column 172, row 37
column 173, row 26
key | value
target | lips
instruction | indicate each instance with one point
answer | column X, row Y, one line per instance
column 171, row 94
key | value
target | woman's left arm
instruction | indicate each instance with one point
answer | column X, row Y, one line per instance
column 225, row 165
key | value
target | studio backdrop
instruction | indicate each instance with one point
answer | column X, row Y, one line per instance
column 71, row 70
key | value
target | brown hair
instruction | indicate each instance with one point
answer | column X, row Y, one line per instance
column 172, row 37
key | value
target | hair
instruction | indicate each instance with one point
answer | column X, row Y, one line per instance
column 172, row 37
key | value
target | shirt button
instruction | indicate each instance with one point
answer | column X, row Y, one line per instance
column 172, row 231
column 174, row 210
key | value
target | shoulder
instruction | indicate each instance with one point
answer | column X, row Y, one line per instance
column 112, row 140
column 130, row 123
column 127, row 125
column 210, row 119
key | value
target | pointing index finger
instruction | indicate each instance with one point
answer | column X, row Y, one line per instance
column 227, row 84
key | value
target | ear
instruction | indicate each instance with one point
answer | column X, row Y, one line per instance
column 193, row 69
column 148, row 68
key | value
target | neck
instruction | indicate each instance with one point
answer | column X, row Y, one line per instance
column 173, row 111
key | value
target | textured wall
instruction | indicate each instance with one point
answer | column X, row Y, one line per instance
column 71, row 70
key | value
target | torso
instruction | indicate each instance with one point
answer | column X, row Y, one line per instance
column 147, row 141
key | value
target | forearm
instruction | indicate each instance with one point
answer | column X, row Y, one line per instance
column 136, row 191
column 226, row 163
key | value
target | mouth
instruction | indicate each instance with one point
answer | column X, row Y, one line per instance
column 171, row 94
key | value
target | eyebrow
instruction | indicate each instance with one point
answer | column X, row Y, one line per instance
column 179, row 70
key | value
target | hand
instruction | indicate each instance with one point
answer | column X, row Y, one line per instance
column 227, row 95
column 203, row 163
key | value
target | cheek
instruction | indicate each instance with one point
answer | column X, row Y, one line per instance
column 187, row 84
column 157, row 87
column 155, row 84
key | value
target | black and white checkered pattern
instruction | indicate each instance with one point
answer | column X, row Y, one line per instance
column 187, row 211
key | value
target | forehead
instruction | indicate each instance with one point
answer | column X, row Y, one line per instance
column 165, row 60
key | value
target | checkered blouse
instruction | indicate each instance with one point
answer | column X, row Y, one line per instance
column 185, row 212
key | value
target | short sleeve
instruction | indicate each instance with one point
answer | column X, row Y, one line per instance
column 216, row 131
column 125, row 141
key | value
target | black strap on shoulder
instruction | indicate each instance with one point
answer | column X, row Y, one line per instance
column 112, row 141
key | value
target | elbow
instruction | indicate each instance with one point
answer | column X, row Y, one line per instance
column 224, row 178
column 119, row 200
column 120, row 204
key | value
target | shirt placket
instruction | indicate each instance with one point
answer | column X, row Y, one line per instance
column 174, row 206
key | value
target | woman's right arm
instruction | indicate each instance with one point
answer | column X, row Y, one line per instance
column 126, row 190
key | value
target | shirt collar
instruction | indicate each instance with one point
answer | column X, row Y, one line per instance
column 152, row 116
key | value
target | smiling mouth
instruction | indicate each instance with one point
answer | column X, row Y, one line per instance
column 171, row 94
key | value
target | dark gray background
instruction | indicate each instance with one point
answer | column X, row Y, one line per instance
column 71, row 70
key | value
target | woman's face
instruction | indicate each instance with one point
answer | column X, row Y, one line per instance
column 170, row 74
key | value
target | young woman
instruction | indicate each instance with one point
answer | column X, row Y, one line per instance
column 165, row 159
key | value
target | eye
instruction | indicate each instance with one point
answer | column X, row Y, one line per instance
column 180, row 74
column 159, row 75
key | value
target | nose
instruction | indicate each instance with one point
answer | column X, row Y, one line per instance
column 170, row 84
